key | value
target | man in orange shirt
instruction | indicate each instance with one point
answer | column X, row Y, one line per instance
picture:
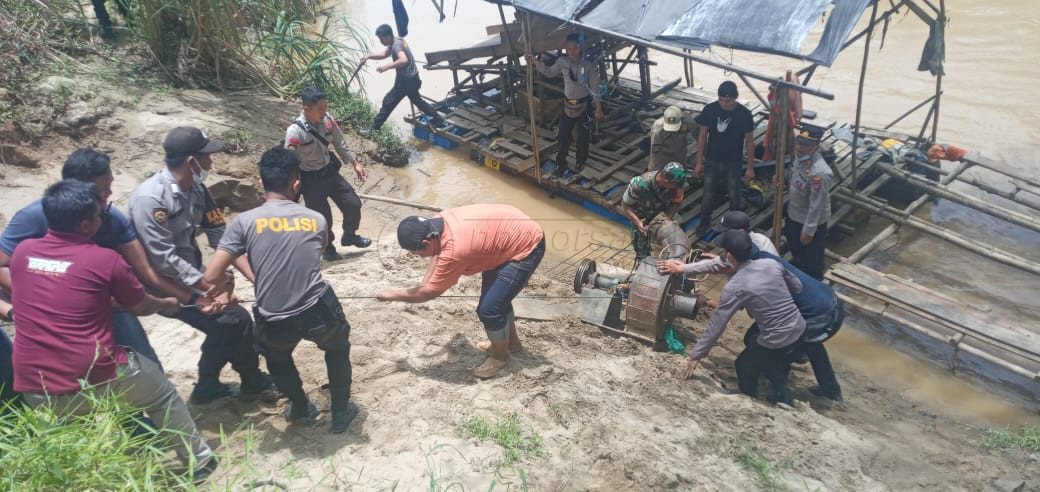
column 498, row 241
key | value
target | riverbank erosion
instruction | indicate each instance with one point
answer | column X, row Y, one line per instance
column 575, row 410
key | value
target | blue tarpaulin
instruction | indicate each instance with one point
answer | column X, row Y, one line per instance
column 769, row 26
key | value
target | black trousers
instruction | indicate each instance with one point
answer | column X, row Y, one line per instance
column 7, row 392
column 324, row 324
column 716, row 173
column 319, row 186
column 567, row 125
column 807, row 257
column 758, row 361
column 101, row 12
column 229, row 339
column 404, row 87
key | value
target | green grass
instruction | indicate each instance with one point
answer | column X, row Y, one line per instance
column 516, row 441
column 1026, row 438
column 42, row 451
column 354, row 111
column 754, row 462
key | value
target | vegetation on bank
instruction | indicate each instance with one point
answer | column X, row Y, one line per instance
column 275, row 46
column 1026, row 438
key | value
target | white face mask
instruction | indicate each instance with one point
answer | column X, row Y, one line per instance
column 199, row 176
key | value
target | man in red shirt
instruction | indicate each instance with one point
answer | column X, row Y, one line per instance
column 63, row 286
column 498, row 241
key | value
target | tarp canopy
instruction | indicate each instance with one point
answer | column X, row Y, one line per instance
column 769, row 26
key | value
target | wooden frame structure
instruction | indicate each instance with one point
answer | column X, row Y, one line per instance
column 504, row 118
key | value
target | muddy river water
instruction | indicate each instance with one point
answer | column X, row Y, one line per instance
column 992, row 63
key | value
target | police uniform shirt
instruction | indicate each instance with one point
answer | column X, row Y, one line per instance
column 167, row 220
column 284, row 241
column 810, row 202
column 647, row 199
column 313, row 154
column 580, row 80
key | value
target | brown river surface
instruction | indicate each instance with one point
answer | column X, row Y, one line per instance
column 988, row 105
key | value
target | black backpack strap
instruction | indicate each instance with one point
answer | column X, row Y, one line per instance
column 309, row 129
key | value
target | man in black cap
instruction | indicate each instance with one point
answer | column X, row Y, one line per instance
column 763, row 287
column 499, row 242
column 725, row 141
column 809, row 203
column 168, row 210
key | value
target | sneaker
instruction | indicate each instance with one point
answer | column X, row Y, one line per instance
column 830, row 394
column 355, row 240
column 366, row 132
column 559, row 171
column 206, row 393
column 203, row 472
column 307, row 414
column 341, row 420
column 263, row 390
column 330, row 254
column 578, row 167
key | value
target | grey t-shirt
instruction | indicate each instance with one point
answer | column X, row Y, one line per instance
column 284, row 241
column 408, row 70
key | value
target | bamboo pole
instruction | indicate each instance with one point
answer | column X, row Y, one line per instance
column 396, row 201
column 979, row 247
column 530, row 99
column 864, row 250
column 986, row 163
column 909, row 112
column 859, row 97
column 780, row 137
column 957, row 197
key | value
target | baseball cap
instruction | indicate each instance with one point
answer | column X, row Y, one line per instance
column 672, row 119
column 413, row 230
column 734, row 219
column 737, row 242
column 728, row 89
column 674, row 172
column 810, row 135
column 185, row 140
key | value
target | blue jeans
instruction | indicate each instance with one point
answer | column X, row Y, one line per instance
column 128, row 332
column 498, row 288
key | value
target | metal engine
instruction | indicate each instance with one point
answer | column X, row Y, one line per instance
column 642, row 303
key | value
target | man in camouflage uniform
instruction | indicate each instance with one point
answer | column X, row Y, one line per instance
column 647, row 196
column 809, row 203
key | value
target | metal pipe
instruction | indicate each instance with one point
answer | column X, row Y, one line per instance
column 859, row 97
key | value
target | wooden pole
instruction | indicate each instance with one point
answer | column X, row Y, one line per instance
column 395, row 201
column 939, row 190
column 976, row 246
column 781, row 135
column 859, row 97
column 530, row 99
column 940, row 24
column 909, row 112
column 864, row 250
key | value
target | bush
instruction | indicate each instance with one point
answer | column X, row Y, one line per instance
column 354, row 111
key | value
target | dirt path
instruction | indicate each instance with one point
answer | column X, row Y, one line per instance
column 610, row 413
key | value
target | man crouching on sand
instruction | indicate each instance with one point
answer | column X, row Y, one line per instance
column 498, row 241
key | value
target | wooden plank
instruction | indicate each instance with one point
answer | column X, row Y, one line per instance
column 912, row 296
column 517, row 149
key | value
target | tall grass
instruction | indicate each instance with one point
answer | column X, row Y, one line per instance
column 228, row 44
column 97, row 451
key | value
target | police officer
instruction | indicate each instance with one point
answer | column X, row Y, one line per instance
column 406, row 80
column 310, row 135
column 809, row 203
column 167, row 210
column 580, row 84
column 293, row 301
column 670, row 139
column 647, row 196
